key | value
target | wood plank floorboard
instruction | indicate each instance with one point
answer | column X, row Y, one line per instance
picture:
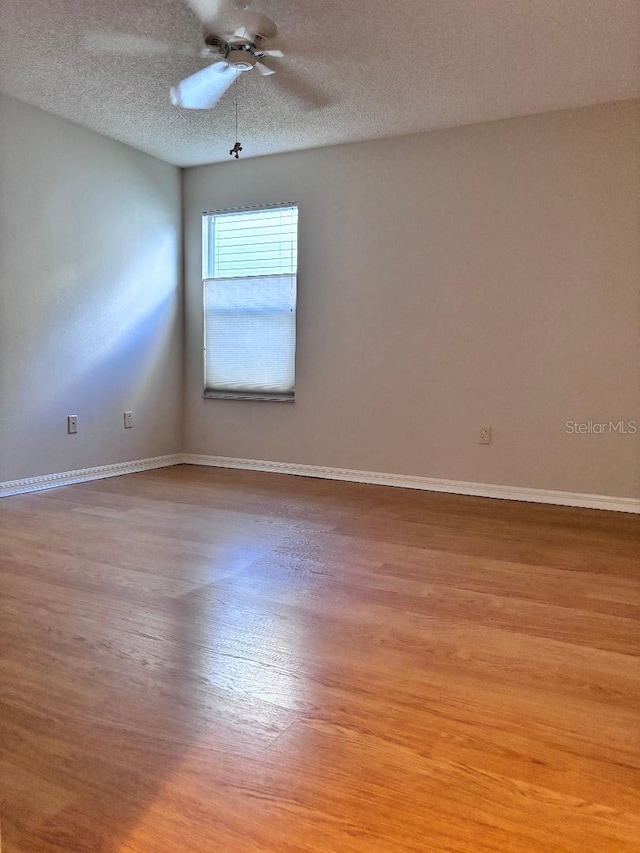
column 205, row 661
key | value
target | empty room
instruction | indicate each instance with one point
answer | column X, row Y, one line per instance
column 319, row 426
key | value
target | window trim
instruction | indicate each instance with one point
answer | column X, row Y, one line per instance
column 254, row 396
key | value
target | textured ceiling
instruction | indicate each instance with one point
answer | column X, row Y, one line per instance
column 378, row 68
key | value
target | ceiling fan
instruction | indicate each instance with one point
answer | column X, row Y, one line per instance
column 237, row 39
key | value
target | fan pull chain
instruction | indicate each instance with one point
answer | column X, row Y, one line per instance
column 237, row 148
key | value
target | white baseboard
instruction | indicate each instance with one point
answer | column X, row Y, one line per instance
column 404, row 481
column 430, row 484
column 52, row 481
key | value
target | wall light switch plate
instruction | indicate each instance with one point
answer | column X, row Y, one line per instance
column 72, row 424
column 128, row 420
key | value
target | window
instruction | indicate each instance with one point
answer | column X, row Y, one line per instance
column 249, row 263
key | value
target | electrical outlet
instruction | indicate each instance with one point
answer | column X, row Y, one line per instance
column 72, row 424
column 128, row 420
column 485, row 435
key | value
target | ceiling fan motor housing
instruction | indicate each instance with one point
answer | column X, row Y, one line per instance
column 244, row 32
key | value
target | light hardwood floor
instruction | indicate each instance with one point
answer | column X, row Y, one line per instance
column 205, row 660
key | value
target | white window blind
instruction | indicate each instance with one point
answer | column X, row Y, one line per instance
column 249, row 260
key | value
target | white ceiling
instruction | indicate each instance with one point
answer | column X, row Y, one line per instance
column 379, row 68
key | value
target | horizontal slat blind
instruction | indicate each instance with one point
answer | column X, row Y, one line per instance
column 249, row 265
column 251, row 242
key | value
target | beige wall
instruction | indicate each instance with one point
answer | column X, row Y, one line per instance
column 90, row 300
column 487, row 275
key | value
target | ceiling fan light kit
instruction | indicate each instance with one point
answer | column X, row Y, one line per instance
column 241, row 59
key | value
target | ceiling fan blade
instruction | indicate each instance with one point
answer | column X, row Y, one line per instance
column 211, row 10
column 274, row 52
column 204, row 88
column 263, row 69
column 241, row 33
column 132, row 45
column 295, row 86
column 250, row 24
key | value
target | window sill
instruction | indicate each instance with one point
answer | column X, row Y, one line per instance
column 234, row 395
